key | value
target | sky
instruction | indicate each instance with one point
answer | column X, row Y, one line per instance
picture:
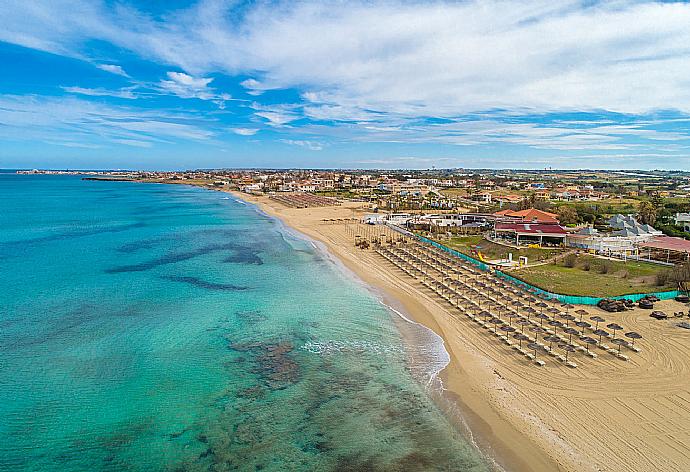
column 396, row 84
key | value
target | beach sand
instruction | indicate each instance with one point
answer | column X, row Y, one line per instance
column 606, row 415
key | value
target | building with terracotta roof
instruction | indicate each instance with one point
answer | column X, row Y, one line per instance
column 531, row 215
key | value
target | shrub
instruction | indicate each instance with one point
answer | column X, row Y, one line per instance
column 586, row 266
column 605, row 267
column 662, row 277
column 570, row 260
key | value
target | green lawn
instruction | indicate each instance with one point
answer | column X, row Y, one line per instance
column 623, row 278
column 491, row 250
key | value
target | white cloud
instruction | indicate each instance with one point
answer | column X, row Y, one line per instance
column 311, row 145
column 76, row 122
column 113, row 69
column 245, row 131
column 380, row 69
column 101, row 92
column 185, row 86
column 412, row 58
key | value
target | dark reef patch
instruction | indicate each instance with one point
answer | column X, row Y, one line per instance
column 245, row 256
column 172, row 258
column 197, row 282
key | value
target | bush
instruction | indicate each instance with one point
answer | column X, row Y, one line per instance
column 570, row 260
column 605, row 267
column 586, row 266
column 662, row 277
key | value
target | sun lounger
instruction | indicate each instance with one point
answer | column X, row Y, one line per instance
column 571, row 364
column 540, row 363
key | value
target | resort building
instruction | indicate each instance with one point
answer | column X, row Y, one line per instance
column 531, row 215
column 683, row 220
column 531, row 233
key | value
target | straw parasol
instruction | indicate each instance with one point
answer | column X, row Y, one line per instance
column 587, row 340
column 602, row 334
column 633, row 335
column 567, row 318
column 597, row 320
column 568, row 349
column 521, row 337
column 615, row 327
column 581, row 313
column 536, row 330
column 535, row 347
column 551, row 339
column 583, row 325
column 542, row 317
column 507, row 329
column 571, row 331
column 567, row 306
column 619, row 342
column 523, row 322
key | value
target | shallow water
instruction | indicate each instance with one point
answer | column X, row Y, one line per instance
column 161, row 327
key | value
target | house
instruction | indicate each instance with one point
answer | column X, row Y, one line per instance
column 683, row 220
column 530, row 215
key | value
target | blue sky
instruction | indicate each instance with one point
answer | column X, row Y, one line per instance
column 175, row 85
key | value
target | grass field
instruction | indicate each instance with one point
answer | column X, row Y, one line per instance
column 465, row 244
column 621, row 279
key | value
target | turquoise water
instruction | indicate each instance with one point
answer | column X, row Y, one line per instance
column 160, row 327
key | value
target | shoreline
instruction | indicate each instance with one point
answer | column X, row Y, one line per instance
column 606, row 415
column 499, row 442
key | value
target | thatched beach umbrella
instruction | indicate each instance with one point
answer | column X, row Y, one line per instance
column 582, row 313
column 536, row 330
column 583, row 324
column 535, row 347
column 633, row 335
column 571, row 331
column 587, row 340
column 555, row 324
column 615, row 327
column 601, row 333
column 511, row 315
column 597, row 320
column 619, row 342
column 567, row 307
column 521, row 337
column 567, row 318
column 541, row 306
column 568, row 349
column 495, row 321
column 542, row 317
column 507, row 329
column 551, row 339
column 523, row 322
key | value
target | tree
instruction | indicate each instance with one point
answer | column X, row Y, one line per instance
column 646, row 212
column 567, row 215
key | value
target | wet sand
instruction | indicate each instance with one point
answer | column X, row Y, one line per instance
column 607, row 415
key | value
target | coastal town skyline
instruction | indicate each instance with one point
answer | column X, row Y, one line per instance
column 212, row 84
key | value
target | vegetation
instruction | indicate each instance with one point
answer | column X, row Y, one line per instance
column 469, row 244
column 596, row 277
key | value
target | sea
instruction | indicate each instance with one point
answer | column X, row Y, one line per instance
column 152, row 327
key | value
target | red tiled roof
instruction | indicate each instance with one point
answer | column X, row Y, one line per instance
column 528, row 228
column 531, row 214
column 668, row 243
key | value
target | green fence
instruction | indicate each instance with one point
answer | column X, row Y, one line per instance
column 572, row 299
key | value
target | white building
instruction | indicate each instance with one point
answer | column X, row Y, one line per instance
column 683, row 220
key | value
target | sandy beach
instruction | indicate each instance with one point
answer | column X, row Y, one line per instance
column 606, row 415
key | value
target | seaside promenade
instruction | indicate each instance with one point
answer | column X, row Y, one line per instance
column 608, row 413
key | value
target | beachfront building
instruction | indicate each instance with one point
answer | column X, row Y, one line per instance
column 530, row 215
column 530, row 233
column 666, row 249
